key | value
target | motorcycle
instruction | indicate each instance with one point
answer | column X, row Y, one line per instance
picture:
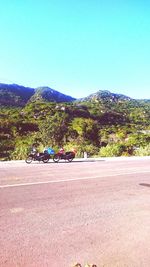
column 34, row 156
column 69, row 156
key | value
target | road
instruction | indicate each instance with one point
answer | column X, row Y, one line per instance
column 56, row 214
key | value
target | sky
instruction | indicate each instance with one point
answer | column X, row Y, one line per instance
column 77, row 47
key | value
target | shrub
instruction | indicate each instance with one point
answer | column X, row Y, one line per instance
column 22, row 147
column 111, row 150
column 143, row 151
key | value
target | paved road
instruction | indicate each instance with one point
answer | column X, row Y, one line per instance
column 56, row 214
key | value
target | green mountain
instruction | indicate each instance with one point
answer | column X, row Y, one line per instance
column 50, row 95
column 17, row 95
column 105, row 95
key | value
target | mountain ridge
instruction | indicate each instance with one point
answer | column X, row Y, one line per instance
column 105, row 94
column 19, row 95
column 50, row 95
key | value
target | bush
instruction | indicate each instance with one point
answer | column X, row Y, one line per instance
column 20, row 151
column 22, row 147
column 111, row 150
column 143, row 151
column 91, row 150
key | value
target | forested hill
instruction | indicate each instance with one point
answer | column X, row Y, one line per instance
column 15, row 95
column 18, row 96
column 50, row 95
column 102, row 124
column 106, row 95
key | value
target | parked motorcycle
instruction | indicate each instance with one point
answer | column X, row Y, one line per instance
column 34, row 156
column 69, row 156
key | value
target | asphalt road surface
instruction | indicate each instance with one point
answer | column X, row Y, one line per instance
column 56, row 214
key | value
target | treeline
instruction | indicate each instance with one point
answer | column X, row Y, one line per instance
column 99, row 128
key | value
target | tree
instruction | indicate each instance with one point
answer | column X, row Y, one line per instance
column 53, row 129
column 86, row 130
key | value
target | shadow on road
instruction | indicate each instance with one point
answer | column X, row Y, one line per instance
column 63, row 161
column 76, row 161
column 87, row 160
column 144, row 184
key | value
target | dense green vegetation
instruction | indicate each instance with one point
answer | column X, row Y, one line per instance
column 101, row 126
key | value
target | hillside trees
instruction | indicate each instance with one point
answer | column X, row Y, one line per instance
column 53, row 130
column 143, row 151
column 85, row 133
column 118, row 128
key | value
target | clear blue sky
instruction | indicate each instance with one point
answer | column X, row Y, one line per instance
column 77, row 46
